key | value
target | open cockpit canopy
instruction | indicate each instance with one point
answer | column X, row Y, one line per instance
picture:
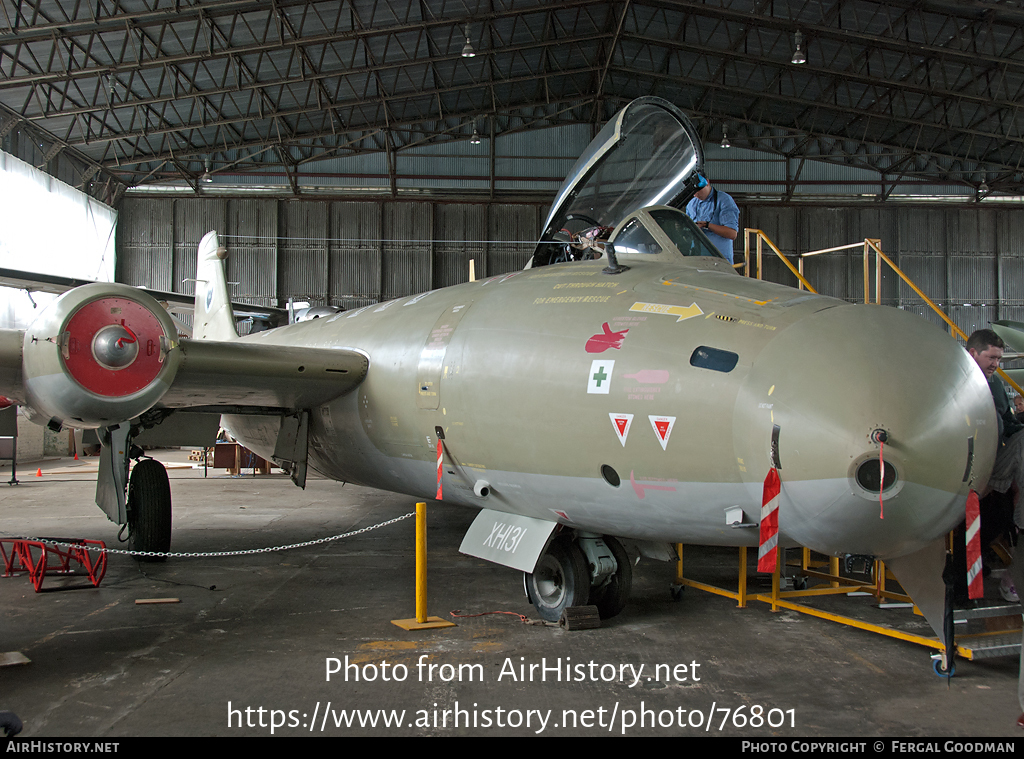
column 648, row 154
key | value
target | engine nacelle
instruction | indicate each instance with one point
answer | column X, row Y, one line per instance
column 100, row 354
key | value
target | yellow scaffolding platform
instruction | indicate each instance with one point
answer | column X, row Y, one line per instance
column 969, row 646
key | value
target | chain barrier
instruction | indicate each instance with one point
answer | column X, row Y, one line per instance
column 269, row 549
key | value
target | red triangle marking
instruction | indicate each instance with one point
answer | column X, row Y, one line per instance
column 621, row 424
column 662, row 429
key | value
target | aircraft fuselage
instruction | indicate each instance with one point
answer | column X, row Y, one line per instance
column 645, row 405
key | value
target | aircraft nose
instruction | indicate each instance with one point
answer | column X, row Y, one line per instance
column 843, row 387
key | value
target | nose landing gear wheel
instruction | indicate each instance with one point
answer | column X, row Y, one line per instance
column 559, row 580
column 149, row 509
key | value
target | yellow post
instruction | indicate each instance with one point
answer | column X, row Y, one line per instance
column 421, row 563
column 878, row 276
column 867, row 275
column 421, row 621
column 742, row 589
column 746, row 252
column 761, row 236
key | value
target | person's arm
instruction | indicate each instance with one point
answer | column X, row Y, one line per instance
column 1009, row 426
column 719, row 229
column 728, row 217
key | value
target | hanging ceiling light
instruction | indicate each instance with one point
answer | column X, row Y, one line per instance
column 798, row 54
column 207, row 177
column 725, row 139
column 983, row 187
column 467, row 49
column 475, row 139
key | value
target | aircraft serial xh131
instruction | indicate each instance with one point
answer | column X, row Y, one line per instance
column 627, row 388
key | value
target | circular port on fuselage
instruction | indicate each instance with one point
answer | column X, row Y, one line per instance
column 610, row 475
column 869, row 476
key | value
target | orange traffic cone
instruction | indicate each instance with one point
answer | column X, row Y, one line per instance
column 39, row 472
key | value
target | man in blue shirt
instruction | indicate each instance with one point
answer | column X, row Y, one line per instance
column 717, row 214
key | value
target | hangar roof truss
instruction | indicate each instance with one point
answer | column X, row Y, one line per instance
column 144, row 91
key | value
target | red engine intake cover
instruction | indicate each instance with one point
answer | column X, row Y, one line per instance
column 78, row 346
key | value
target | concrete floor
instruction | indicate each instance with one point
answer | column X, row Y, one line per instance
column 258, row 632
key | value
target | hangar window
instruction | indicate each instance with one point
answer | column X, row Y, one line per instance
column 714, row 359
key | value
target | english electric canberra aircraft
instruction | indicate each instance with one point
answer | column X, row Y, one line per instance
column 628, row 388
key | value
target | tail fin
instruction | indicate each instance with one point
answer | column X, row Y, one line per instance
column 214, row 319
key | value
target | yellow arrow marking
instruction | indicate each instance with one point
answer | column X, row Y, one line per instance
column 683, row 312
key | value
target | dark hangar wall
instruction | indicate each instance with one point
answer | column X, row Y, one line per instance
column 340, row 253
column 968, row 259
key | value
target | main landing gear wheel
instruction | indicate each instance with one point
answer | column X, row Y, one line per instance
column 611, row 598
column 559, row 580
column 149, row 509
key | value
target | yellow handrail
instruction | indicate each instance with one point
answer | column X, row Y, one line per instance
column 868, row 245
column 761, row 236
column 876, row 245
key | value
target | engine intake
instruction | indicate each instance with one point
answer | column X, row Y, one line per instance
column 99, row 355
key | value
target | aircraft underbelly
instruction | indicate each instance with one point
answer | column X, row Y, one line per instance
column 647, row 509
column 830, row 514
column 695, row 512
column 827, row 515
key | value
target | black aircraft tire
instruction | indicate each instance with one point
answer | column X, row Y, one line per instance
column 611, row 599
column 149, row 509
column 559, row 580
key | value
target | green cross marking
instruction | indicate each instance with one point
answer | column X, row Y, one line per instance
column 600, row 376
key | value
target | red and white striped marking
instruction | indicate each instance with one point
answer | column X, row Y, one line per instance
column 881, row 480
column 768, row 550
column 973, row 537
column 440, row 464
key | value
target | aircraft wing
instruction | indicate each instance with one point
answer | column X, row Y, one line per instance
column 1011, row 332
column 209, row 375
column 10, row 363
column 175, row 302
column 269, row 376
column 107, row 356
column 105, row 353
column 39, row 283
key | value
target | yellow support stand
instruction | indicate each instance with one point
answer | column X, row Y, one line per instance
column 740, row 596
column 831, row 583
column 421, row 621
